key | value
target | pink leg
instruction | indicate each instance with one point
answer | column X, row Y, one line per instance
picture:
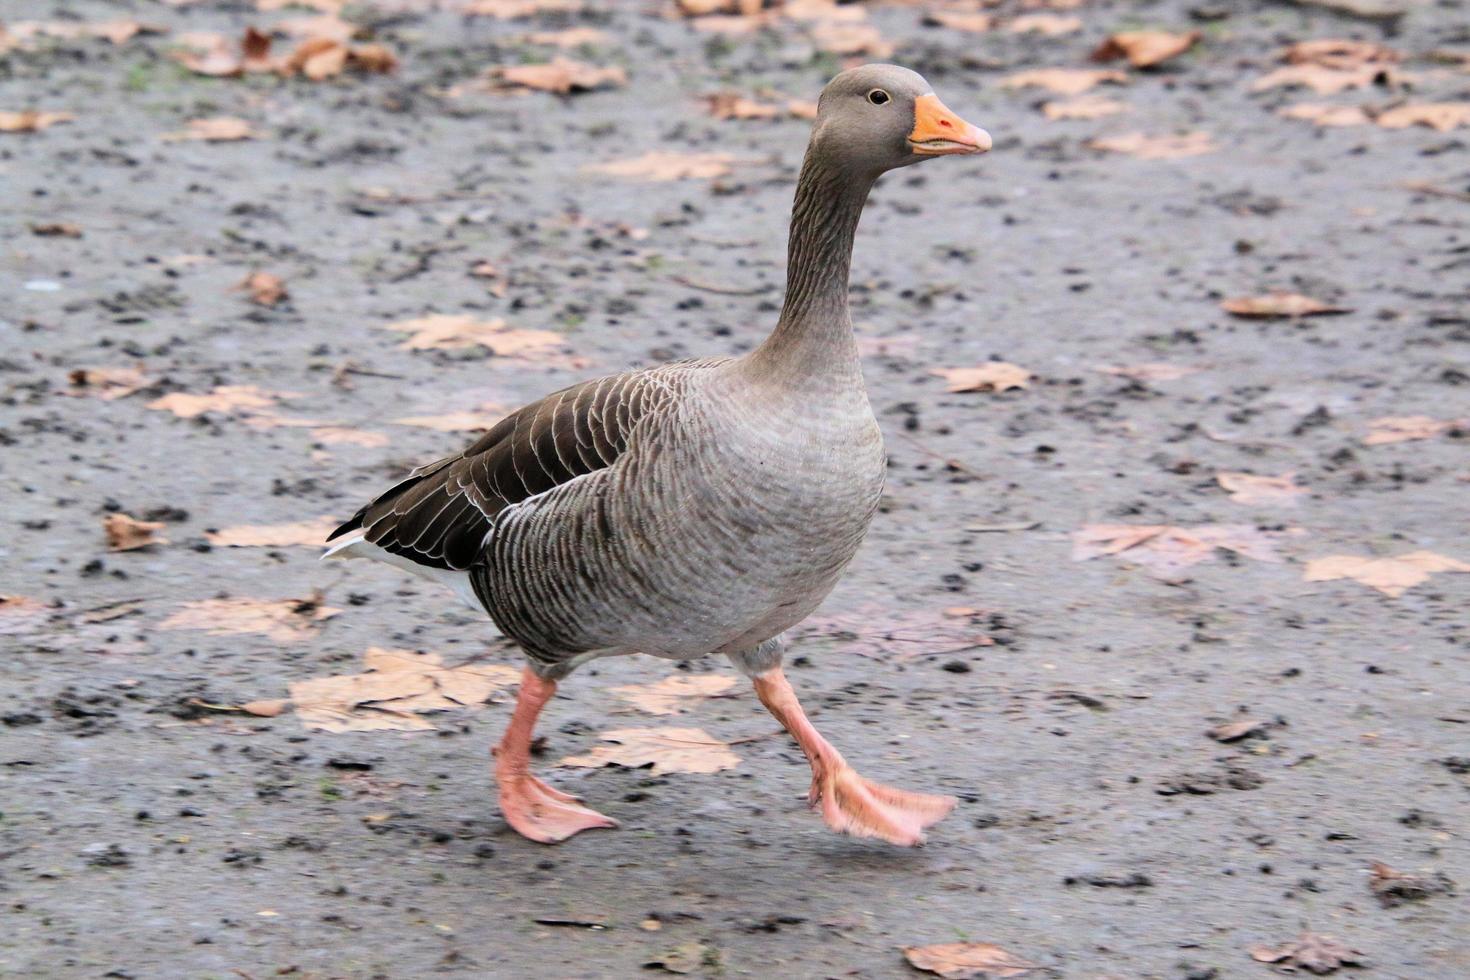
column 534, row 809
column 848, row 802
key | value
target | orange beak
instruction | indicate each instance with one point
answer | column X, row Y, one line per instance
column 939, row 132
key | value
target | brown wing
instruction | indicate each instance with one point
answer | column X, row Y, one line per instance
column 440, row 515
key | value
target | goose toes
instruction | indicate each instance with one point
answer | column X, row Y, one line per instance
column 853, row 805
column 546, row 815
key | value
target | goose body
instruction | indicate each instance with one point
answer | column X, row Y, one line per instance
column 692, row 508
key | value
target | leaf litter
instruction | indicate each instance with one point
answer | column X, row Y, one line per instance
column 1408, row 428
column 675, row 694
column 282, row 620
column 107, row 383
column 666, row 750
column 1391, row 576
column 306, row 534
column 967, row 961
column 1146, row 147
column 1247, row 488
column 1312, row 952
column 994, row 376
column 1166, row 551
column 126, row 533
column 1145, row 49
column 456, row 332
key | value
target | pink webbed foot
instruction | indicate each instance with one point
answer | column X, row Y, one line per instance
column 850, row 804
column 543, row 814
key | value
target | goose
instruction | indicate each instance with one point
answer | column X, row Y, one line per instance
column 693, row 508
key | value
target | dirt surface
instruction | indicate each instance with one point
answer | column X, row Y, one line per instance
column 1101, row 833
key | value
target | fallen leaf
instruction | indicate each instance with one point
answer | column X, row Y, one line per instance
column 1441, row 116
column 516, row 9
column 233, row 399
column 1156, row 147
column 1145, row 49
column 1236, row 730
column 396, row 687
column 676, row 694
column 341, row 435
column 1394, row 888
column 1323, row 81
column 847, row 38
column 266, row 709
column 1405, row 428
column 730, row 105
column 562, row 76
column 960, row 961
column 107, row 383
column 375, row 59
column 325, row 6
column 1280, row 304
column 283, row 620
column 1165, row 551
column 1246, row 488
column 328, row 27
column 306, row 534
column 665, row 749
column 1086, row 107
column 22, row 33
column 125, row 533
column 658, row 165
column 1050, row 25
column 1064, row 81
column 1151, row 371
column 703, row 8
column 218, row 56
column 970, row 21
column 453, row 332
column 572, row 37
column 264, row 288
column 56, row 229
column 1391, row 576
column 1312, row 952
column 1323, row 114
column 32, row 121
column 1339, row 54
column 990, row 376
column 316, row 59
column 20, row 614
column 480, row 420
column 219, row 129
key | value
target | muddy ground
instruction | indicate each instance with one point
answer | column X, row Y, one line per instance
column 1100, row 834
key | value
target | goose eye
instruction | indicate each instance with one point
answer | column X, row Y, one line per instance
column 878, row 97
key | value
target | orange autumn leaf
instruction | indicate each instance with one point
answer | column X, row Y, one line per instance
column 217, row 129
column 562, row 76
column 1145, row 49
column 659, row 165
column 282, row 620
column 1280, row 304
column 1407, row 428
column 675, row 694
column 1064, row 81
column 1083, row 107
column 1391, row 576
column 666, row 750
column 264, row 288
column 126, row 533
column 992, row 376
column 1246, row 488
column 107, row 383
column 1322, row 114
column 1146, row 147
column 32, row 121
column 1441, row 116
column 304, row 534
column 968, row 961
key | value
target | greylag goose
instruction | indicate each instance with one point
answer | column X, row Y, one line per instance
column 697, row 507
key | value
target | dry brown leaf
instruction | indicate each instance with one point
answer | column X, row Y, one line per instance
column 218, row 129
column 849, row 38
column 479, row 420
column 1144, row 49
column 1165, row 551
column 264, row 288
column 1246, row 488
column 1393, row 888
column 1151, row 371
column 317, row 59
column 1050, row 25
column 665, row 749
column 703, row 8
column 375, row 59
column 572, row 37
column 396, row 688
column 731, row 26
column 1391, row 576
column 20, row 614
column 1236, row 730
column 1406, row 428
column 341, row 435
column 266, row 709
column 731, row 105
column 1441, row 116
column 56, row 229
column 219, row 57
column 1322, row 114
column 453, row 332
column 329, row 27
column 991, row 376
column 1323, row 81
column 517, row 9
column 676, row 694
column 1084, row 107
column 31, row 121
column 970, row 21
column 1339, row 54
column 306, row 534
column 283, row 620
column 1280, row 304
column 126, row 533
column 1310, row 951
column 107, row 383
column 234, row 399
column 22, row 33
column 1156, row 147
column 1064, row 81
column 659, row 165
column 562, row 76
column 962, row 961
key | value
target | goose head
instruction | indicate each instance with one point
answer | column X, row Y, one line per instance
column 877, row 118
